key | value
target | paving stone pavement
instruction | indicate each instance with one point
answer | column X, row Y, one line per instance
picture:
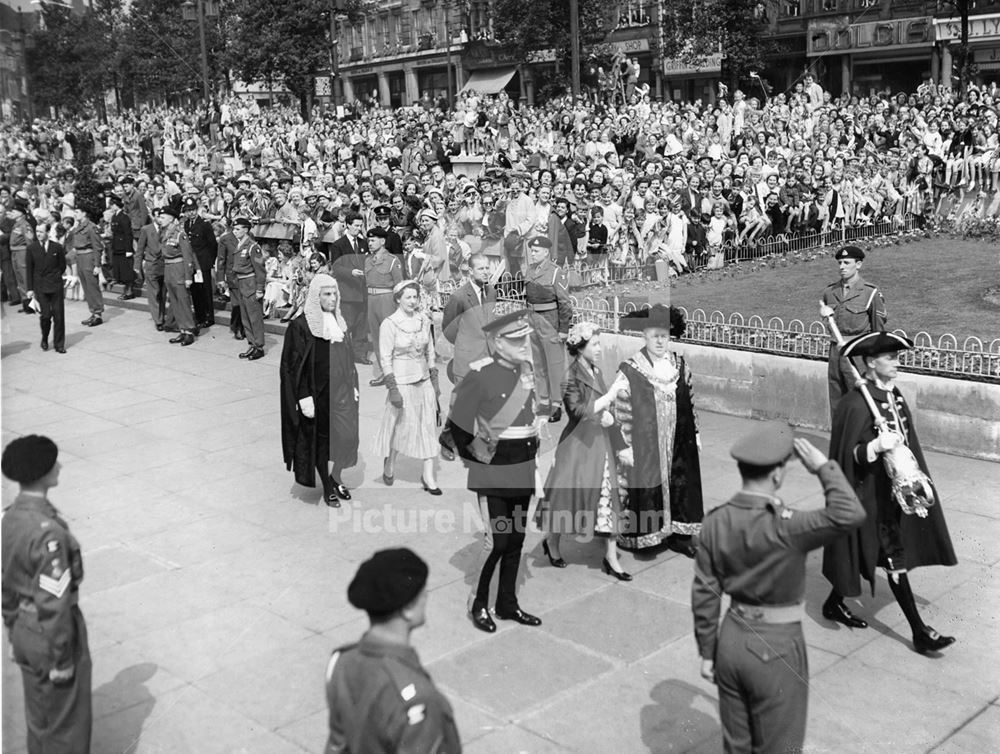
column 215, row 587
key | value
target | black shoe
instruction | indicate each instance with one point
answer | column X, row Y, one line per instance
column 521, row 617
column 159, row 327
column 27, row 310
column 206, row 324
column 331, row 500
column 685, row 546
column 60, row 349
column 838, row 612
column 377, row 382
column 556, row 415
column 45, row 344
column 95, row 321
column 170, row 328
column 431, row 490
column 257, row 353
column 930, row 640
column 87, row 322
column 342, row 492
column 187, row 339
column 246, row 353
column 557, row 562
column 126, row 297
column 177, row 339
column 481, row 619
column 620, row 575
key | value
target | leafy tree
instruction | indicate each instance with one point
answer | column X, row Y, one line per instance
column 282, row 42
column 694, row 30
column 526, row 26
column 68, row 56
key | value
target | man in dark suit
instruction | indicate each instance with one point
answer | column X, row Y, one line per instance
column 122, row 249
column 46, row 263
column 203, row 244
column 347, row 262
column 564, row 232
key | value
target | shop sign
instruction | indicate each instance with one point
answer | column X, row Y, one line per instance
column 980, row 27
column 631, row 46
column 676, row 67
column 824, row 38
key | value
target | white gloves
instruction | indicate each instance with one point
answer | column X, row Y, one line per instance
column 882, row 443
column 307, row 407
column 607, row 419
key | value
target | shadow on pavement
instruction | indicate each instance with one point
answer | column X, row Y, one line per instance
column 127, row 693
column 674, row 722
column 74, row 339
column 11, row 349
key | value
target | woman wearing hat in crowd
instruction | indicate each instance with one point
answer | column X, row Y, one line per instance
column 319, row 393
column 659, row 471
column 889, row 539
column 42, row 571
column 408, row 362
column 581, row 492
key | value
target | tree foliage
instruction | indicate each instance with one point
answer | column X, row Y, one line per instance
column 692, row 31
column 526, row 26
column 282, row 42
column 68, row 56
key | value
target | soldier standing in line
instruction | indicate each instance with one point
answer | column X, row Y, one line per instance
column 201, row 238
column 180, row 270
column 42, row 571
column 85, row 241
column 147, row 251
column 248, row 269
column 380, row 697
column 858, row 308
column 546, row 292
column 224, row 268
column 383, row 271
column 754, row 549
column 493, row 426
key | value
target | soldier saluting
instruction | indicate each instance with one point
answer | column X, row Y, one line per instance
column 546, row 291
column 493, row 425
column 858, row 308
column 42, row 571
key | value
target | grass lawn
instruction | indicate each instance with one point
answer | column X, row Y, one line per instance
column 935, row 285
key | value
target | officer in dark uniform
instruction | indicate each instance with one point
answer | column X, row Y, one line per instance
column 248, row 269
column 205, row 249
column 493, row 425
column 858, row 308
column 546, row 292
column 754, row 549
column 393, row 241
column 381, row 699
column 42, row 571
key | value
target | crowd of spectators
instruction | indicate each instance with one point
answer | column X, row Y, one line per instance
column 658, row 187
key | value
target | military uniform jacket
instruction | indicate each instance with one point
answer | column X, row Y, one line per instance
column 383, row 272
column 754, row 549
column 546, row 283
column 147, row 247
column 480, row 396
column 42, row 571
column 174, row 244
column 858, row 308
column 249, row 260
column 382, row 701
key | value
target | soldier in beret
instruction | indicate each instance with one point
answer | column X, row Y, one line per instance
column 754, row 549
column 380, row 697
column 248, row 295
column 180, row 269
column 857, row 307
column 546, row 292
column 42, row 571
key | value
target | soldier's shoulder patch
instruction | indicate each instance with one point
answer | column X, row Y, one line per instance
column 416, row 714
column 475, row 366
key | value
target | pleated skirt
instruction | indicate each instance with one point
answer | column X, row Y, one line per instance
column 412, row 429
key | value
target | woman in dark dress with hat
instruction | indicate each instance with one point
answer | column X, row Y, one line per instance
column 659, row 472
column 319, row 393
column 581, row 492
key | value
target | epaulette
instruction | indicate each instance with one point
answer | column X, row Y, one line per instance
column 475, row 366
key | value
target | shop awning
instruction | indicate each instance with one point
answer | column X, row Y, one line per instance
column 489, row 80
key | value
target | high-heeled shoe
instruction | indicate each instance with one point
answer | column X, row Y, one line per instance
column 431, row 490
column 620, row 575
column 388, row 480
column 557, row 562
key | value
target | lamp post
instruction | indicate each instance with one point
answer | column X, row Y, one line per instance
column 447, row 41
column 336, row 85
column 198, row 10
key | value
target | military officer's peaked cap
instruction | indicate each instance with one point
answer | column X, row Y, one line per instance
column 850, row 252
column 27, row 459
column 242, row 222
column 388, row 581
column 383, row 210
column 769, row 445
column 378, row 232
column 540, row 242
column 875, row 343
column 513, row 325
